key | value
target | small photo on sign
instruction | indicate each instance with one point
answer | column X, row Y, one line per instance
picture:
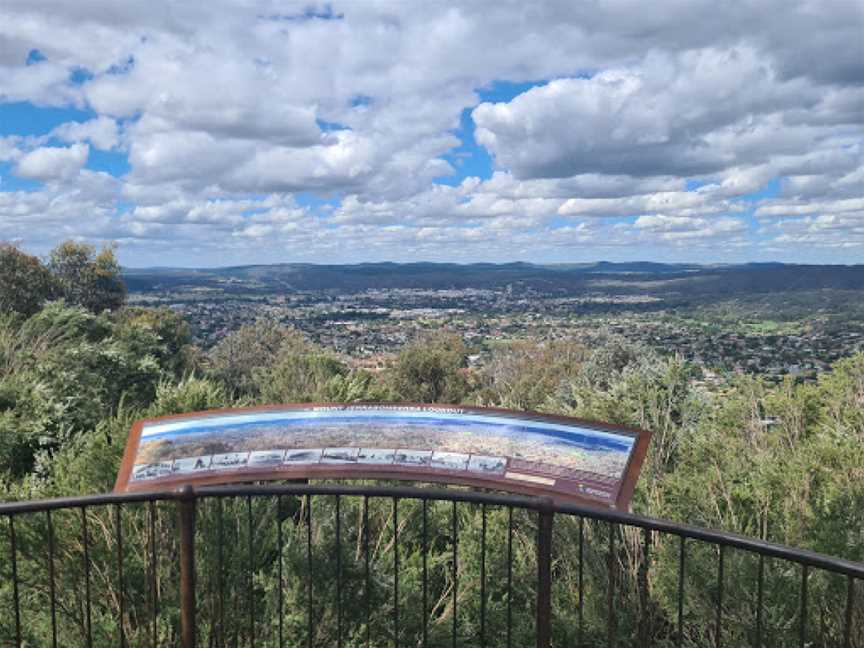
column 414, row 457
column 229, row 460
column 480, row 463
column 376, row 456
column 304, row 456
column 188, row 465
column 450, row 460
column 340, row 455
column 266, row 457
column 151, row 471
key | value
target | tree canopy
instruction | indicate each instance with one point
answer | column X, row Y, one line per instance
column 86, row 277
column 25, row 283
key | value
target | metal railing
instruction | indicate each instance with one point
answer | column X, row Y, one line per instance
column 340, row 565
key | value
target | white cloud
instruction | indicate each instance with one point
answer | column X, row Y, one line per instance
column 681, row 202
column 686, row 114
column 51, row 163
column 854, row 205
column 101, row 132
column 9, row 148
column 674, row 228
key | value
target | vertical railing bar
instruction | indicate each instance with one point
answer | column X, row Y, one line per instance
column 802, row 637
column 220, row 559
column 545, row 521
column 681, row 550
column 234, row 582
column 455, row 532
column 425, row 573
column 52, row 583
column 208, row 522
column 644, row 617
column 509, row 577
column 581, row 602
column 251, row 571
column 719, row 626
column 338, row 571
column 212, row 576
column 122, row 598
column 186, row 507
column 483, row 576
column 309, row 569
column 13, row 548
column 280, row 543
column 86, row 542
column 367, row 595
column 396, row 572
column 151, row 542
column 850, row 598
column 610, row 601
column 760, row 592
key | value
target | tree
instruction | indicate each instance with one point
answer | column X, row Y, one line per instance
column 175, row 351
column 86, row 278
column 64, row 370
column 431, row 370
column 525, row 374
column 843, row 396
column 301, row 375
column 241, row 356
column 25, row 283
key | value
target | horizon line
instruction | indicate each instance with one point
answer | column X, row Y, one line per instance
column 492, row 263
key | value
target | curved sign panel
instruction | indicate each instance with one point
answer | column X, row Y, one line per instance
column 562, row 457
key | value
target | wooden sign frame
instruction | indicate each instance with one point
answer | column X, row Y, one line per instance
column 487, row 469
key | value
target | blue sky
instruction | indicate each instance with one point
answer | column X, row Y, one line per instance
column 346, row 133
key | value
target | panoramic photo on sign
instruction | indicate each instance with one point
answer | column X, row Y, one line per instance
column 551, row 455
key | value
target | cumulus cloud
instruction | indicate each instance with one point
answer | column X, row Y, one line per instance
column 9, row 148
column 854, row 205
column 655, row 118
column 49, row 163
column 687, row 228
column 101, row 132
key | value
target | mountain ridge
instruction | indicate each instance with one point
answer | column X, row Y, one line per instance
column 633, row 278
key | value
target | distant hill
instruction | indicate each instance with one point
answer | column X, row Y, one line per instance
column 621, row 278
column 648, row 267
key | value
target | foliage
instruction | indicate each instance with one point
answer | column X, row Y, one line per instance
column 87, row 278
column 430, row 370
column 25, row 284
column 239, row 359
column 525, row 374
column 299, row 373
column 842, row 402
column 175, row 352
column 64, row 370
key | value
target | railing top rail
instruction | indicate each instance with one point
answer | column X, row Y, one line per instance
column 39, row 505
column 713, row 536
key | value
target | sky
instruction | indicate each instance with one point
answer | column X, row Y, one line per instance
column 227, row 133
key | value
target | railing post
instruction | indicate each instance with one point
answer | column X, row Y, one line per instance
column 186, row 511
column 544, row 575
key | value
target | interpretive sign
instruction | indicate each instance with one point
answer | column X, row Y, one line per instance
column 561, row 457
